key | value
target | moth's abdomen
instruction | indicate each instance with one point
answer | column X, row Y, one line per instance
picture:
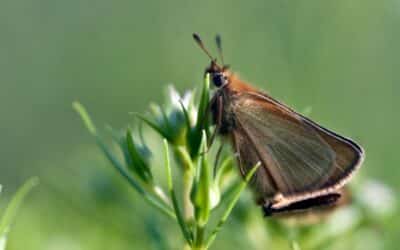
column 228, row 124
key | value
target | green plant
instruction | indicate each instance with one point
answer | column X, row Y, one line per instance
column 184, row 127
column 12, row 208
column 200, row 200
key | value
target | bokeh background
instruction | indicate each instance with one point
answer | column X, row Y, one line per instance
column 341, row 58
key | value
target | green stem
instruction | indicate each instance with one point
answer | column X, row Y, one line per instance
column 199, row 243
column 187, row 175
column 179, row 216
column 231, row 204
column 186, row 186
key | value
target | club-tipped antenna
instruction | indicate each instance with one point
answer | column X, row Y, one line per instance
column 219, row 47
column 201, row 45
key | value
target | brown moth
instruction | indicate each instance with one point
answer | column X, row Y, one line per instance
column 303, row 165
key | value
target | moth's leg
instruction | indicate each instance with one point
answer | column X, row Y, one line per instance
column 218, row 100
column 237, row 155
column 218, row 121
column 217, row 157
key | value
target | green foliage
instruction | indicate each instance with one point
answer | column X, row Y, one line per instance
column 146, row 189
column 201, row 191
column 185, row 127
column 200, row 195
column 193, row 198
column 179, row 216
column 339, row 57
column 11, row 210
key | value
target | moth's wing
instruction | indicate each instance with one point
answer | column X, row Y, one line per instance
column 300, row 159
column 262, row 183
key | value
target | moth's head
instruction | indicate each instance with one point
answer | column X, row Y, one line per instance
column 219, row 74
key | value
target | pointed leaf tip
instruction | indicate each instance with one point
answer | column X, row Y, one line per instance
column 138, row 163
column 202, row 185
column 80, row 109
column 16, row 201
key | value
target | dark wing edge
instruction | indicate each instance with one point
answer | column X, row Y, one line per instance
column 330, row 137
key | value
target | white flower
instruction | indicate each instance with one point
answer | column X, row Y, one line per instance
column 378, row 198
column 176, row 99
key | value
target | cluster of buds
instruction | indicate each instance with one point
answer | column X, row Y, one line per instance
column 184, row 128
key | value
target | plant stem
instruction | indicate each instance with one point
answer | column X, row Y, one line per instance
column 199, row 243
column 187, row 176
column 185, row 231
column 187, row 204
column 231, row 204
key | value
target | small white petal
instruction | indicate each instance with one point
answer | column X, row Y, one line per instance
column 174, row 96
column 187, row 97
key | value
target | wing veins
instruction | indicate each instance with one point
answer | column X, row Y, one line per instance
column 296, row 146
column 273, row 181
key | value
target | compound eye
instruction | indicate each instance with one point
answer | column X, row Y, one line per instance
column 218, row 79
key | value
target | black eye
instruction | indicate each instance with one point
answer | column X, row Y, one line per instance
column 218, row 79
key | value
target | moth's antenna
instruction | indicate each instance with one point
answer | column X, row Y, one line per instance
column 219, row 47
column 201, row 45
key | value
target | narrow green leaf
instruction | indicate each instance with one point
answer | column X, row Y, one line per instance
column 119, row 139
column 184, row 228
column 204, row 100
column 16, row 201
column 119, row 166
column 139, row 157
column 140, row 131
column 231, row 204
column 85, row 117
column 134, row 183
column 223, row 169
column 202, row 122
column 138, row 164
column 186, row 115
column 153, row 125
column 201, row 195
column 117, row 135
column 161, row 117
column 194, row 141
column 168, row 126
column 168, row 165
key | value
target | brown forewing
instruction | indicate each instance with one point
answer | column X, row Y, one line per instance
column 300, row 159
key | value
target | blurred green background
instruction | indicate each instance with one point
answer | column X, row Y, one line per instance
column 339, row 57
